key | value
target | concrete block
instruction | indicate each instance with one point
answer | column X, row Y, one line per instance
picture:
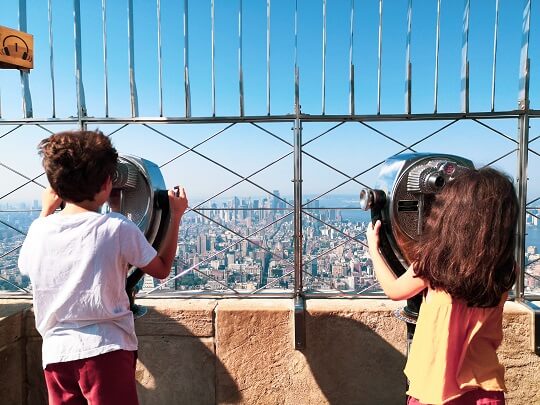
column 176, row 317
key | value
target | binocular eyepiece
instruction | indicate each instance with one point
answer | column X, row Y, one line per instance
column 370, row 198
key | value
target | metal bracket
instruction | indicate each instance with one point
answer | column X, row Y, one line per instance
column 299, row 322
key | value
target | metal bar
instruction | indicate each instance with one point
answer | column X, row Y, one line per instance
column 12, row 227
column 523, row 134
column 324, row 133
column 105, row 64
column 299, row 302
column 523, row 98
column 379, row 58
column 131, row 59
column 51, row 58
column 14, row 285
column 196, row 146
column 272, row 134
column 382, row 161
column 240, row 72
column 20, row 174
column 186, row 59
column 351, row 63
column 465, row 60
column 32, row 180
column 268, row 57
column 494, row 66
column 323, row 90
column 217, row 163
column 81, row 104
column 437, row 42
column 495, row 130
column 25, row 84
column 500, row 158
column 408, row 65
column 213, row 47
column 511, row 114
column 295, row 41
column 160, row 60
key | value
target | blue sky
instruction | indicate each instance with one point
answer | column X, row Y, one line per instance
column 244, row 148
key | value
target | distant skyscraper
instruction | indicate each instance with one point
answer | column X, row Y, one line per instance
column 201, row 244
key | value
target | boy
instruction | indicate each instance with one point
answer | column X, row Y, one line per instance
column 77, row 261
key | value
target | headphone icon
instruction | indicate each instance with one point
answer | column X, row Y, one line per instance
column 11, row 45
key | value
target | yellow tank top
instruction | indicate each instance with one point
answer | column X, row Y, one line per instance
column 454, row 349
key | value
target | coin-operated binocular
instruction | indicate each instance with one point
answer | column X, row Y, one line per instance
column 139, row 193
column 405, row 189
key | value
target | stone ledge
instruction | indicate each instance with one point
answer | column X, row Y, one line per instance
column 177, row 317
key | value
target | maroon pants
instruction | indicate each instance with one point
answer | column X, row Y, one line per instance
column 101, row 380
column 474, row 397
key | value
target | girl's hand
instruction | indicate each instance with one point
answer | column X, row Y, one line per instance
column 49, row 202
column 178, row 202
column 373, row 235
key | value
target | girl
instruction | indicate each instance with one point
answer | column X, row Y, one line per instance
column 465, row 265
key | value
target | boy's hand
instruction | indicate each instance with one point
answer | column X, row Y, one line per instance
column 372, row 235
column 178, row 202
column 49, row 202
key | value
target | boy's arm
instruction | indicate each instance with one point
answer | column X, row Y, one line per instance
column 49, row 202
column 160, row 266
column 396, row 288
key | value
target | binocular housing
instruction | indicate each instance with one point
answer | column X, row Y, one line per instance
column 139, row 193
column 401, row 199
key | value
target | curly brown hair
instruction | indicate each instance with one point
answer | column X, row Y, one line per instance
column 467, row 248
column 78, row 163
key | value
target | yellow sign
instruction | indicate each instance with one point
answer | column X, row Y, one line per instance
column 16, row 49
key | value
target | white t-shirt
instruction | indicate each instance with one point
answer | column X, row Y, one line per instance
column 78, row 266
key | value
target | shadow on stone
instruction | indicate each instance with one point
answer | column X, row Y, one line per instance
column 178, row 365
column 352, row 363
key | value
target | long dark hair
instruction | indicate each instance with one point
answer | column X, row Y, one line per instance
column 467, row 248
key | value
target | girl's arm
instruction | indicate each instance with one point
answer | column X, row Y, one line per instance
column 396, row 288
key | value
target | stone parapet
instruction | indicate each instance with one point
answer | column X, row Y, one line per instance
column 241, row 351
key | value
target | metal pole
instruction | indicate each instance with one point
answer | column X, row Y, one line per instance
column 51, row 59
column 299, row 302
column 379, row 58
column 523, row 141
column 25, row 85
column 81, row 105
column 131, row 59
column 465, row 60
column 105, row 64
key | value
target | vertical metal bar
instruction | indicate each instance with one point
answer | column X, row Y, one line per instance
column 299, row 302
column 465, row 60
column 351, row 63
column 105, row 67
column 131, row 58
column 323, row 91
column 25, row 85
column 523, row 149
column 523, row 96
column 437, row 42
column 186, row 59
column 160, row 60
column 408, row 66
column 240, row 72
column 296, row 83
column 51, row 59
column 212, row 57
column 81, row 104
column 523, row 142
column 494, row 66
column 379, row 56
column 268, row 56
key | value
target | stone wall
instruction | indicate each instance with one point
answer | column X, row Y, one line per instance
column 241, row 351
